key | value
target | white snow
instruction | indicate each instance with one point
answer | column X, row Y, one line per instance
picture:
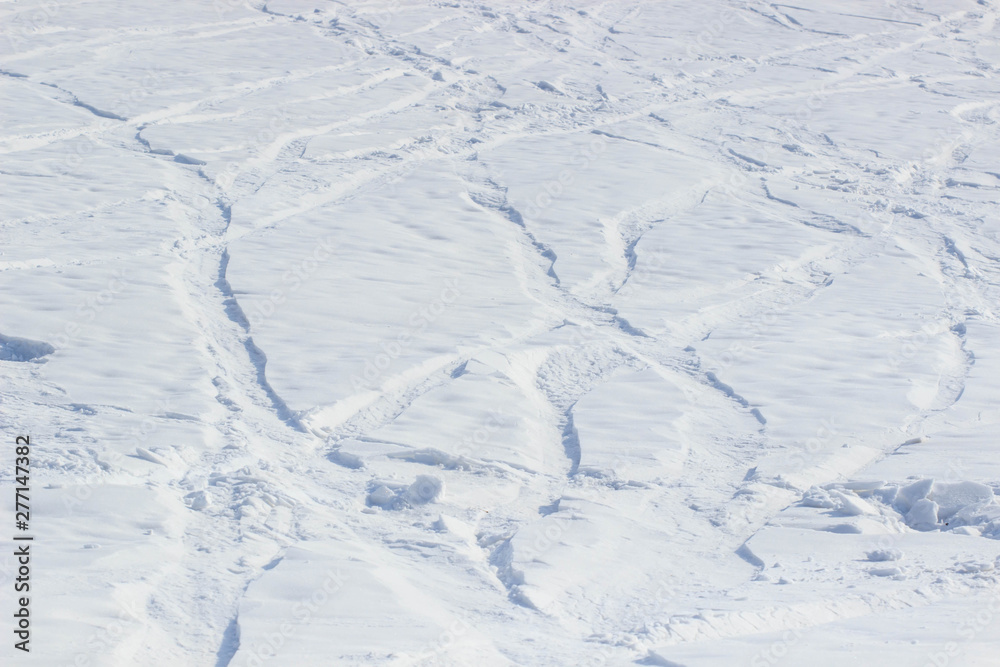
column 451, row 333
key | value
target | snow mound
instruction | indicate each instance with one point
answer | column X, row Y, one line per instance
column 931, row 505
column 23, row 349
column 393, row 496
column 426, row 489
column 963, row 507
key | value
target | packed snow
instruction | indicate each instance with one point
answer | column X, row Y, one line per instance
column 526, row 333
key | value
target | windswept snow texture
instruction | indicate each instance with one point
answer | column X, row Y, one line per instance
column 524, row 333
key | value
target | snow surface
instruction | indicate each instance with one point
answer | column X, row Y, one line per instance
column 453, row 333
